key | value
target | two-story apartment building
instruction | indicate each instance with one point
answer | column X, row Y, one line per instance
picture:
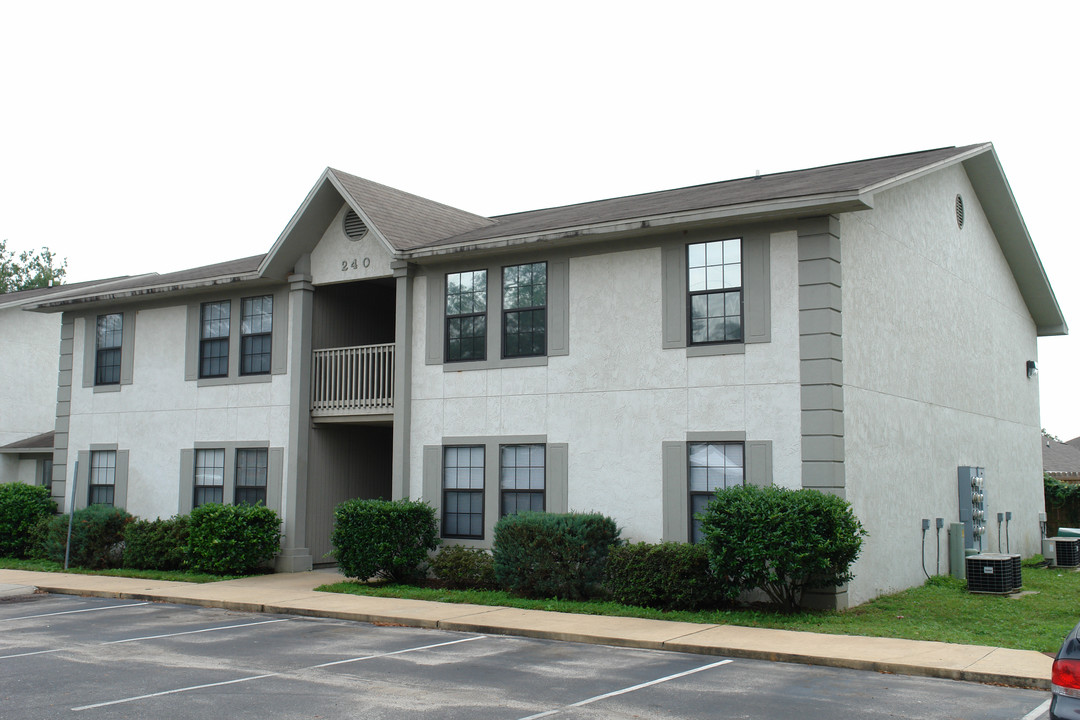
column 864, row 329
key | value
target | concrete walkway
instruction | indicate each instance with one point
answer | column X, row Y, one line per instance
column 293, row 593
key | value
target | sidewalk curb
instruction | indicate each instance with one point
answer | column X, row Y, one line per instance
column 675, row 645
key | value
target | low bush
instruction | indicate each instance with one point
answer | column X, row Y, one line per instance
column 232, row 539
column 156, row 544
column 560, row 555
column 668, row 576
column 465, row 568
column 781, row 541
column 21, row 508
column 384, row 539
column 97, row 537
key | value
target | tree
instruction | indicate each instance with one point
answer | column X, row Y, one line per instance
column 29, row 269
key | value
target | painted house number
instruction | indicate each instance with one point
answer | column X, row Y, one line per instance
column 355, row 264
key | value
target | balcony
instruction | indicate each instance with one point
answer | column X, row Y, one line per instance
column 353, row 383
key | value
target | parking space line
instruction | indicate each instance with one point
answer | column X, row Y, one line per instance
column 623, row 691
column 274, row 674
column 193, row 632
column 36, row 652
column 70, row 612
column 1037, row 712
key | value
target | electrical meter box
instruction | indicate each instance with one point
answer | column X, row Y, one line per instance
column 971, row 492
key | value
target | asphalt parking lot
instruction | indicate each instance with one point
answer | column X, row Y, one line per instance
column 64, row 656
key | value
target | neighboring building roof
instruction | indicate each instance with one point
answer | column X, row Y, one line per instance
column 36, row 444
column 1061, row 460
column 27, row 297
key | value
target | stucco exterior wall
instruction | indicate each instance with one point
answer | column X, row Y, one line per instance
column 935, row 341
column 339, row 258
column 29, row 345
column 617, row 396
column 159, row 413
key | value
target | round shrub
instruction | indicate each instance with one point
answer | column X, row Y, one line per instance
column 384, row 539
column 156, row 544
column 232, row 539
column 560, row 555
column 465, row 568
column 668, row 576
column 97, row 537
column 781, row 541
column 21, row 508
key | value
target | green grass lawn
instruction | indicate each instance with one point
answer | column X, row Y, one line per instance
column 941, row 609
column 50, row 566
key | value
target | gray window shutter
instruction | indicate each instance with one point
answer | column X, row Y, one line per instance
column 558, row 477
column 187, row 482
column 275, row 467
column 191, row 348
column 756, row 284
column 120, row 490
column 433, row 345
column 82, row 480
column 558, row 331
column 676, row 498
column 433, row 478
column 673, row 295
column 759, row 463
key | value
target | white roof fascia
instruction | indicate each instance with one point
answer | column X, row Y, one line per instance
column 146, row 290
column 833, row 202
column 926, row 169
column 292, row 221
column 62, row 293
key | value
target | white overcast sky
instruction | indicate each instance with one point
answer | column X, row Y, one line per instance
column 145, row 136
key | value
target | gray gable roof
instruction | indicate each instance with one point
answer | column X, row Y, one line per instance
column 1061, row 459
column 36, row 443
column 26, row 297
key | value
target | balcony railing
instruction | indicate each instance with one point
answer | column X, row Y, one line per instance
column 353, row 381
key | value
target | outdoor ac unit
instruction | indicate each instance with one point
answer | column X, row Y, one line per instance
column 1066, row 552
column 1018, row 581
column 990, row 573
column 1049, row 551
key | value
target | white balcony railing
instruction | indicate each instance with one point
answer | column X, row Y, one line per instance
column 353, row 380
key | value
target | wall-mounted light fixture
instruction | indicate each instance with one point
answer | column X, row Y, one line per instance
column 1032, row 368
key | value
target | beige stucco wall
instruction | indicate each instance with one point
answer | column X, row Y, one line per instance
column 29, row 355
column 339, row 258
column 936, row 339
column 159, row 413
column 617, row 396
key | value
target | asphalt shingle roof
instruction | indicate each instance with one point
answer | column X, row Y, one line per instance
column 1061, row 458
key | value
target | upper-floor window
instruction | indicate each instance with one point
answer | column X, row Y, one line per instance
column 466, row 315
column 713, row 466
column 463, row 492
column 209, row 477
column 214, row 339
column 521, row 478
column 256, row 325
column 109, row 340
column 714, row 284
column 102, row 477
column 251, row 471
column 524, row 303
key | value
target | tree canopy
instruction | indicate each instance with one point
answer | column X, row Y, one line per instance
column 29, row 269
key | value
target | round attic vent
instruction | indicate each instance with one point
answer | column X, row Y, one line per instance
column 959, row 212
column 354, row 226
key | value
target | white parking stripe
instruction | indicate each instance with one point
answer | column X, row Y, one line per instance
column 193, row 632
column 626, row 690
column 70, row 612
column 1037, row 712
column 275, row 674
column 36, row 652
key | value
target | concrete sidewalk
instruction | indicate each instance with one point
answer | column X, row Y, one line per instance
column 293, row 593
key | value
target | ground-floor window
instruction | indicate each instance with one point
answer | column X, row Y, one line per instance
column 102, row 477
column 251, row 465
column 209, row 477
column 712, row 466
column 463, row 492
column 521, row 478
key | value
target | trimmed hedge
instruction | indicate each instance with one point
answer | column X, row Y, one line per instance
column 465, row 568
column 97, row 537
column 22, row 507
column 156, row 544
column 232, row 539
column 544, row 555
column 781, row 541
column 668, row 576
column 384, row 539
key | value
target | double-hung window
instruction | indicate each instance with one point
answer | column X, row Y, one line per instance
column 209, row 477
column 463, row 492
column 715, row 289
column 102, row 477
column 256, row 325
column 466, row 316
column 524, row 310
column 214, row 339
column 522, row 478
column 109, row 339
column 713, row 466
column 251, row 464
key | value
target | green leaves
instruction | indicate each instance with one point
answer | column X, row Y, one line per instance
column 382, row 538
column 30, row 269
column 22, row 507
column 232, row 539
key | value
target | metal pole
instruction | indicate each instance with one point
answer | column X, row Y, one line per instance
column 71, row 512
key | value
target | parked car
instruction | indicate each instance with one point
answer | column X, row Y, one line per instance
column 1065, row 689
